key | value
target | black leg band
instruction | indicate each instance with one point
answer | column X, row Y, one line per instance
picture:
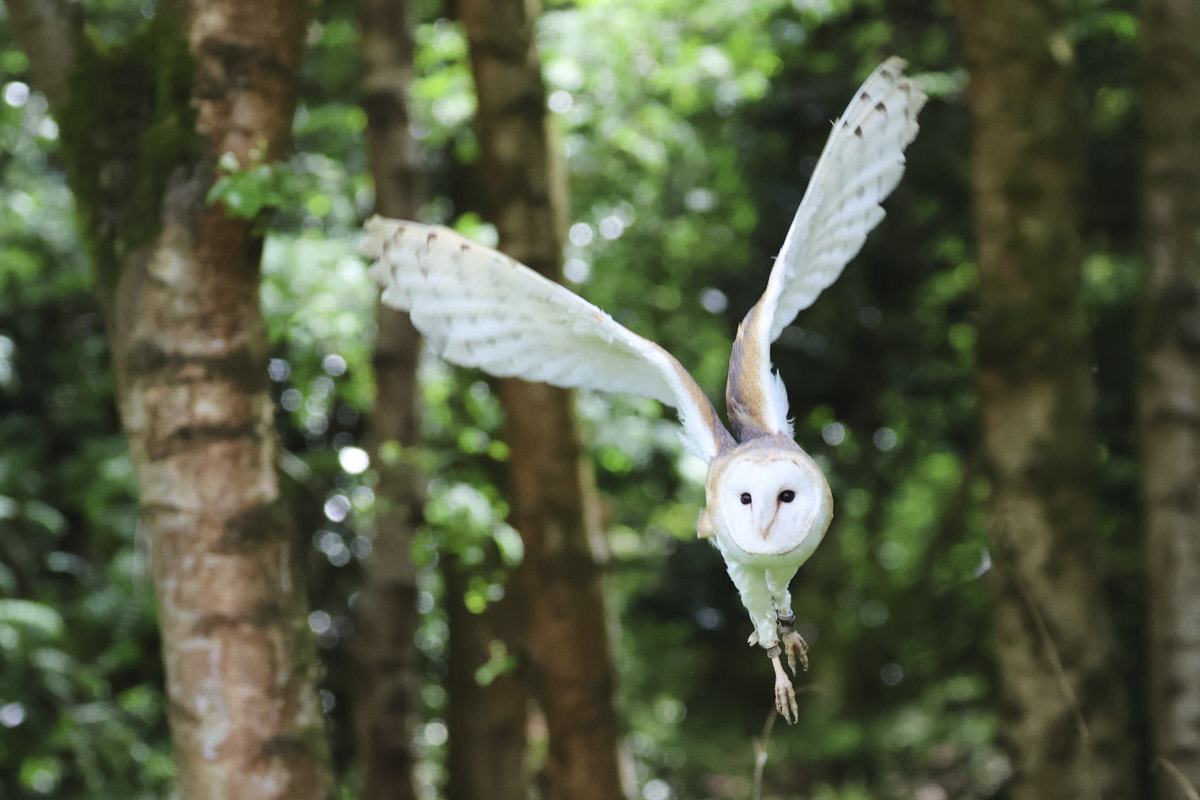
column 774, row 652
column 786, row 624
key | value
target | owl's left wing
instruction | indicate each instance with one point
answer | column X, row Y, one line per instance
column 861, row 164
column 480, row 308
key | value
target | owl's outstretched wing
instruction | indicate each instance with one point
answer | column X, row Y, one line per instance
column 480, row 308
column 861, row 164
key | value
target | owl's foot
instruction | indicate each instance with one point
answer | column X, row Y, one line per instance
column 792, row 643
column 785, row 695
column 797, row 650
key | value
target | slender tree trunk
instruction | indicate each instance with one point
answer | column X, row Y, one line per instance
column 1064, row 712
column 486, row 758
column 1169, row 391
column 387, row 668
column 142, row 125
column 553, row 494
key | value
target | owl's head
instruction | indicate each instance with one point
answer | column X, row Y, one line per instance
column 766, row 497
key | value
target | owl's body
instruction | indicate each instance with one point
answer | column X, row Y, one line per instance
column 767, row 504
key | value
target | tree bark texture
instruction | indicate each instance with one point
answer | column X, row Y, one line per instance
column 386, row 663
column 1169, row 389
column 553, row 495
column 1064, row 713
column 142, row 126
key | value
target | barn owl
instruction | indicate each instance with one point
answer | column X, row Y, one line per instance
column 767, row 504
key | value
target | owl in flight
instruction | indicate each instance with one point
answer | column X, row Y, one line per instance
column 767, row 504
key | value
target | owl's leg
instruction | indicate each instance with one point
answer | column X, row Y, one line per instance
column 757, row 600
column 792, row 642
column 757, row 597
column 785, row 695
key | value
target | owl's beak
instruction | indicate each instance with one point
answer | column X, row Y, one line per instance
column 765, row 519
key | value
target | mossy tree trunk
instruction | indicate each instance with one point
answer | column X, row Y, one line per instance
column 552, row 492
column 142, row 125
column 387, row 669
column 1169, row 387
column 1064, row 710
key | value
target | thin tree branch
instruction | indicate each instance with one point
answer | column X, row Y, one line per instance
column 760, row 753
column 1184, row 784
column 49, row 32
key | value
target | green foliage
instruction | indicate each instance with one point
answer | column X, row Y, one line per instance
column 248, row 191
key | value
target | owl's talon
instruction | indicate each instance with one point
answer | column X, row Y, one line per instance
column 785, row 695
column 796, row 649
column 753, row 640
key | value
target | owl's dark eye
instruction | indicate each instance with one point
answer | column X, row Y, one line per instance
column 787, row 496
column 745, row 498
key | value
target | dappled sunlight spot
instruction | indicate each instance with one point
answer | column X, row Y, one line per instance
column 581, row 234
column 611, row 227
column 21, row 204
column 279, row 370
column 434, row 733
column 576, row 270
column 564, row 73
column 424, row 602
column 885, row 439
column 692, row 469
column 320, row 622
column 337, row 507
column 354, row 460
column 12, row 715
column 431, row 638
column 48, row 129
column 291, row 399
column 669, row 710
column 710, row 619
column 713, row 300
column 453, row 109
column 834, row 433
column 334, row 364
column 16, row 94
column 656, row 790
column 560, row 101
column 333, row 546
column 891, row 674
column 362, row 497
column 7, row 349
column 931, row 791
column 361, row 547
column 700, row 200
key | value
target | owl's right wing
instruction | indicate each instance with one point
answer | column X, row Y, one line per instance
column 861, row 164
column 479, row 308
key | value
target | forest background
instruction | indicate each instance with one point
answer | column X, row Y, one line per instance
column 1003, row 390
